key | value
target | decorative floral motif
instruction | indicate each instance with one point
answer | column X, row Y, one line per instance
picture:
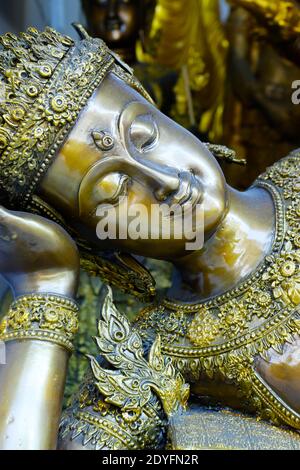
column 20, row 319
column 294, row 237
column 284, row 274
column 293, row 213
column 260, row 303
column 170, row 326
column 47, row 313
column 237, row 368
column 233, row 316
column 3, row 326
column 286, row 172
column 203, row 329
column 292, row 190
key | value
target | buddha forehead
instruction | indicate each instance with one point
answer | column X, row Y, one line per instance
column 137, row 129
column 111, row 99
column 113, row 107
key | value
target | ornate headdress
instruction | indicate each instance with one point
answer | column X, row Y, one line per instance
column 46, row 79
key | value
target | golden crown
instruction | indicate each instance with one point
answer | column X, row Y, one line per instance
column 45, row 81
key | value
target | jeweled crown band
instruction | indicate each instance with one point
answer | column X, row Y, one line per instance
column 43, row 317
column 46, row 79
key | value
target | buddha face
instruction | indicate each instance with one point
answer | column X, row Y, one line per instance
column 123, row 152
column 117, row 22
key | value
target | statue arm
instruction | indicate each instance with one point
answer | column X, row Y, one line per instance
column 38, row 329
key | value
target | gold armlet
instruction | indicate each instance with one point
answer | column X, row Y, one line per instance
column 42, row 317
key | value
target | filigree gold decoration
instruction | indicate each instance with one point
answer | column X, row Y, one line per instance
column 131, row 385
column 284, row 274
column 45, row 317
column 203, row 329
column 48, row 78
column 222, row 152
column 233, row 317
column 120, row 407
column 226, row 333
column 171, row 329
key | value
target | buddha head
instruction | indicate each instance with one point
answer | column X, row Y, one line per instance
column 117, row 22
column 78, row 131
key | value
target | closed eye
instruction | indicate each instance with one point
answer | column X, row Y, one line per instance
column 144, row 133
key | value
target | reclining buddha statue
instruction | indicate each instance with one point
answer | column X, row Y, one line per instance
column 77, row 131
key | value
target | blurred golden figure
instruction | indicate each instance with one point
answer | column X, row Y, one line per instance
column 261, row 121
column 235, row 82
column 117, row 22
column 282, row 18
column 188, row 36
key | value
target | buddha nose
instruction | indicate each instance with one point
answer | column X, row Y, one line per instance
column 164, row 180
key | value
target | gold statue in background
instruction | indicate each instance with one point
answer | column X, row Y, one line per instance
column 77, row 130
column 187, row 36
column 117, row 22
column 260, row 120
column 235, row 82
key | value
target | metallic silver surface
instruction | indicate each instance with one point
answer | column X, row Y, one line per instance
column 32, row 388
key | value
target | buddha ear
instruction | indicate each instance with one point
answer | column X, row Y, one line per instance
column 221, row 152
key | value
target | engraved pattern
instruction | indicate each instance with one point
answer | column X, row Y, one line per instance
column 119, row 407
column 44, row 317
column 48, row 79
